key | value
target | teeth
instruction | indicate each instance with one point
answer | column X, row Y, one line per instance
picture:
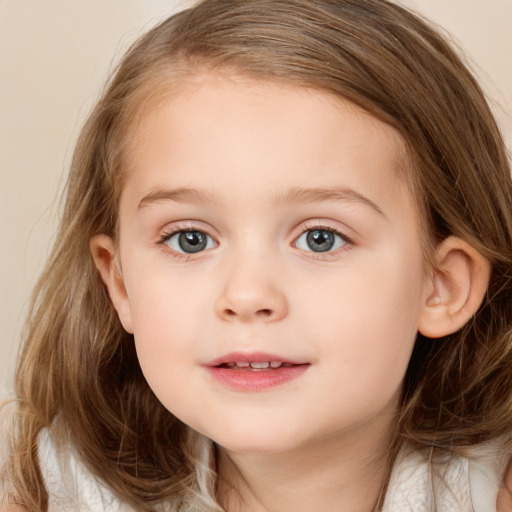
column 266, row 364
column 257, row 366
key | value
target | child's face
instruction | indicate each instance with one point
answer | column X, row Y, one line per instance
column 302, row 248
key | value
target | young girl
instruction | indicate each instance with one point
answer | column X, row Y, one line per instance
column 282, row 281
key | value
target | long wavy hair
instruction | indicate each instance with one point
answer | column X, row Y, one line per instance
column 78, row 372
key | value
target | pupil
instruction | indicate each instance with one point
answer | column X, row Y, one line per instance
column 320, row 240
column 192, row 241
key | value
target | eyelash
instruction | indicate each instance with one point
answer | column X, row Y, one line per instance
column 348, row 242
column 167, row 235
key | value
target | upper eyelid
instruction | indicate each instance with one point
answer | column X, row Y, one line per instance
column 187, row 225
column 347, row 241
column 167, row 235
column 345, row 232
column 311, row 224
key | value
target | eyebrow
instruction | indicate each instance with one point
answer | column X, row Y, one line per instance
column 316, row 195
column 178, row 195
column 293, row 196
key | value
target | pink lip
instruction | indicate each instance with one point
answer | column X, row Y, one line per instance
column 243, row 379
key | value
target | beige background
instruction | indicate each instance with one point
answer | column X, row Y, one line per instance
column 54, row 57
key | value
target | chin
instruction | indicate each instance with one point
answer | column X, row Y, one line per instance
column 254, row 446
column 255, row 442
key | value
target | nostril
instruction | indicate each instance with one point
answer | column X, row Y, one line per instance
column 229, row 312
column 264, row 312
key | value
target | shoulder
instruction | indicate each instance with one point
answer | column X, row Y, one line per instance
column 450, row 483
column 486, row 465
column 69, row 483
column 9, row 507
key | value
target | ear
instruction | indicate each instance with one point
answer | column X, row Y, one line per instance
column 103, row 250
column 455, row 288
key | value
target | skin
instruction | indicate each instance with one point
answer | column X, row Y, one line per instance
column 242, row 162
column 504, row 502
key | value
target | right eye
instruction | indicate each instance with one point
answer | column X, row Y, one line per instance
column 189, row 241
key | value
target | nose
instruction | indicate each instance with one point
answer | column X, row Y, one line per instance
column 250, row 293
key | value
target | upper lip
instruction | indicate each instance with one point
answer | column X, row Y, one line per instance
column 251, row 357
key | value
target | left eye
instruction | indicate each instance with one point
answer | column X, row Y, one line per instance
column 190, row 242
column 320, row 240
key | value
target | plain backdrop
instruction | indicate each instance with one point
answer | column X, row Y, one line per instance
column 54, row 58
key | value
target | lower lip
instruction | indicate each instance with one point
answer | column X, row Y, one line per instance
column 256, row 380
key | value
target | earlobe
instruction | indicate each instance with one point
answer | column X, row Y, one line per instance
column 455, row 288
column 103, row 251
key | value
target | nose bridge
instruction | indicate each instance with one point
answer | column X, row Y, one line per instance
column 251, row 288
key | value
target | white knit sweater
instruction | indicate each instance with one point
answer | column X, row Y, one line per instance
column 462, row 485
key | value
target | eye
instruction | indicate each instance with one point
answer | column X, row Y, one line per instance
column 189, row 241
column 320, row 240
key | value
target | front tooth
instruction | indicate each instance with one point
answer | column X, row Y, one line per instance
column 243, row 364
column 275, row 364
column 260, row 365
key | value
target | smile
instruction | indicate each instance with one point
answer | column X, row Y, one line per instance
column 254, row 372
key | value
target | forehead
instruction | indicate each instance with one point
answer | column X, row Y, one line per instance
column 214, row 126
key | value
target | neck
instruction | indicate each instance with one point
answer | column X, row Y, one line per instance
column 338, row 473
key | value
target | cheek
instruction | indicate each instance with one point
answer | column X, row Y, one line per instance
column 166, row 345
column 160, row 295
column 368, row 316
column 164, row 313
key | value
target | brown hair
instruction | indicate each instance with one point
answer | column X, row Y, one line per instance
column 78, row 372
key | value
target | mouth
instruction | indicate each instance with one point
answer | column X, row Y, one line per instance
column 256, row 366
column 254, row 372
